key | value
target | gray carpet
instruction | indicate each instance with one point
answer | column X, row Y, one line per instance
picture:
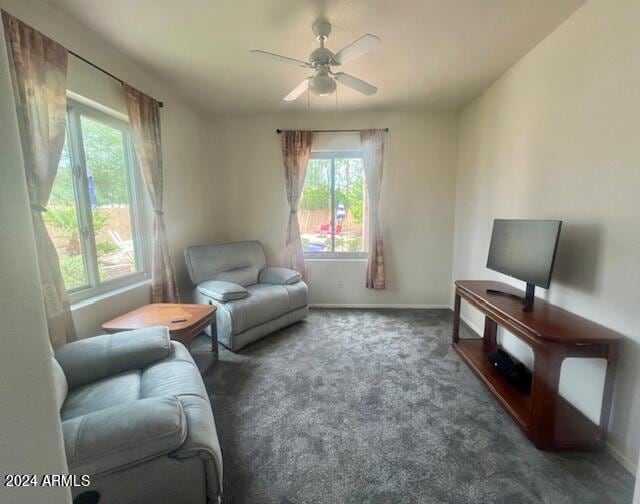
column 373, row 406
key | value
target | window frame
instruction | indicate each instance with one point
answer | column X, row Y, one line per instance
column 333, row 255
column 138, row 207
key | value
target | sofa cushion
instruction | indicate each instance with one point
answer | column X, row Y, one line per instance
column 102, row 394
column 265, row 302
column 172, row 378
column 222, row 291
column 279, row 276
column 241, row 276
column 123, row 435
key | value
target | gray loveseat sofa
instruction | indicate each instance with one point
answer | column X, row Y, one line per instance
column 136, row 418
column 253, row 299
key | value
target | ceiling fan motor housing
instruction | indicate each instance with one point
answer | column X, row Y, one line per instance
column 321, row 56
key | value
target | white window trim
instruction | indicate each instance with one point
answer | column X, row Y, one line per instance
column 138, row 207
column 333, row 255
column 336, row 256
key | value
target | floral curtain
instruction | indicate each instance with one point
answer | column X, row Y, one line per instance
column 373, row 157
column 296, row 151
column 144, row 116
column 38, row 67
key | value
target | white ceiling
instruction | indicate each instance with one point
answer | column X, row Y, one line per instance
column 434, row 54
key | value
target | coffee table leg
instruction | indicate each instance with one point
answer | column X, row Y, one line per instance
column 214, row 339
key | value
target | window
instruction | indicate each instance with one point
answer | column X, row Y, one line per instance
column 332, row 210
column 94, row 212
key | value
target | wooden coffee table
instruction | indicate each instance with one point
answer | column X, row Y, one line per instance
column 184, row 321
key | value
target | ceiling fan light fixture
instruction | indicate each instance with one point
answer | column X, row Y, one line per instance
column 322, row 85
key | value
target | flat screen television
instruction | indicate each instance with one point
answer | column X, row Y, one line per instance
column 526, row 250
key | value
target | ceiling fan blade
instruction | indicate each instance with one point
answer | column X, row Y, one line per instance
column 301, row 88
column 356, row 49
column 282, row 59
column 355, row 83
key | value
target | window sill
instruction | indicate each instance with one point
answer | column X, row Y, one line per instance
column 109, row 294
column 336, row 258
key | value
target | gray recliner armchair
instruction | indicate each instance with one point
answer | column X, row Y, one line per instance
column 252, row 299
column 137, row 419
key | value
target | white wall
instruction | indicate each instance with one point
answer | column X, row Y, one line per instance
column 189, row 203
column 558, row 137
column 417, row 201
column 30, row 433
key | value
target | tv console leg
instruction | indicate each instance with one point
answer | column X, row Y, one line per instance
column 546, row 379
column 490, row 336
column 456, row 319
column 607, row 394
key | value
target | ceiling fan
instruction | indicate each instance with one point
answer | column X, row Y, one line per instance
column 321, row 60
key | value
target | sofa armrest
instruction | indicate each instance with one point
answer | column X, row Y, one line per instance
column 92, row 359
column 279, row 276
column 124, row 435
column 202, row 441
column 222, row 291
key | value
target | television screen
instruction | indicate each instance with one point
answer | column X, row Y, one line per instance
column 524, row 249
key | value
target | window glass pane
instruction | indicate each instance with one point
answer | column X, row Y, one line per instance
column 349, row 205
column 314, row 212
column 110, row 198
column 61, row 219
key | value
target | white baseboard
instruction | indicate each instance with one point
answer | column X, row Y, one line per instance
column 381, row 306
column 629, row 465
column 473, row 327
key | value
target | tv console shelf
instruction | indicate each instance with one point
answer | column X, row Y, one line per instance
column 553, row 334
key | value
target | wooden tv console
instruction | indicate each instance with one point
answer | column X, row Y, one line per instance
column 554, row 334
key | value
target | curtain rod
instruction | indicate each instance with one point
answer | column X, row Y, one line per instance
column 160, row 104
column 278, row 131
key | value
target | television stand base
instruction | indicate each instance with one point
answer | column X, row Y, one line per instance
column 526, row 300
